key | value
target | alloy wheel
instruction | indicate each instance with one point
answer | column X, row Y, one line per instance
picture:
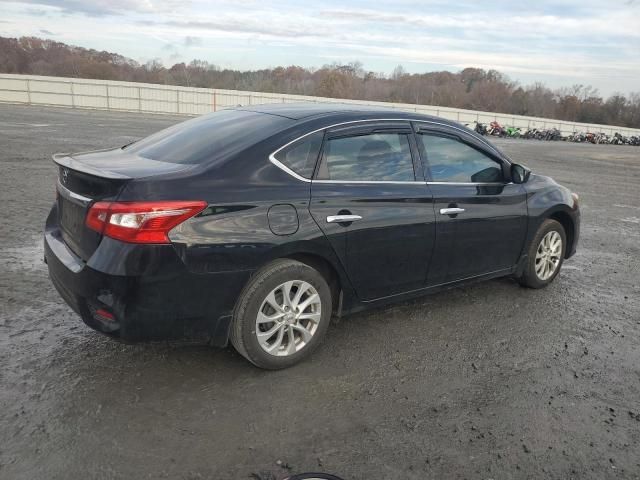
column 288, row 318
column 548, row 255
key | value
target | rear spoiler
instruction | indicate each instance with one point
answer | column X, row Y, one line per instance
column 66, row 160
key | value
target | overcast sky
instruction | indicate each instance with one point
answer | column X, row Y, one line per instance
column 561, row 43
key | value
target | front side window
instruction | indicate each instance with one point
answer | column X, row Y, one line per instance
column 453, row 161
column 372, row 157
column 302, row 155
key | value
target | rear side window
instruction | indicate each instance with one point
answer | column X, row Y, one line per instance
column 453, row 161
column 372, row 157
column 209, row 137
column 302, row 155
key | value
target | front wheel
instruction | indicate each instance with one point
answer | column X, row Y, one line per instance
column 281, row 315
column 545, row 256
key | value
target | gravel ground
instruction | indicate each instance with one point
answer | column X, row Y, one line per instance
column 488, row 381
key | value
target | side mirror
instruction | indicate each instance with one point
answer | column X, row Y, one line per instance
column 519, row 173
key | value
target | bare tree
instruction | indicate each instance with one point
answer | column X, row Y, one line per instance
column 473, row 88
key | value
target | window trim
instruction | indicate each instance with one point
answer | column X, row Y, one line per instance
column 284, row 168
column 424, row 155
column 278, row 163
column 376, row 127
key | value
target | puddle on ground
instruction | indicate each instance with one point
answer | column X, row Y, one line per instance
column 26, row 257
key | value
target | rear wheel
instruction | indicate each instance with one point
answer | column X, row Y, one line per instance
column 282, row 315
column 545, row 256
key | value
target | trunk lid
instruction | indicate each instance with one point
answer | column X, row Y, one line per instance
column 85, row 178
column 116, row 164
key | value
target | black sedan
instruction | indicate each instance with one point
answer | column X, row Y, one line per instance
column 257, row 225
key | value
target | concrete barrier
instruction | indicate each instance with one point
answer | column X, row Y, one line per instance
column 171, row 99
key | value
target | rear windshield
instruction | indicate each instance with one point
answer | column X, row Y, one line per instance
column 209, row 137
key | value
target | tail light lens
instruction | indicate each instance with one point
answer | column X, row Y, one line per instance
column 140, row 222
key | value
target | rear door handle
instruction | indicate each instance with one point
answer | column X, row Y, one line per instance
column 451, row 211
column 343, row 218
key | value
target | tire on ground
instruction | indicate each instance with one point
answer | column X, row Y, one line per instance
column 243, row 327
column 529, row 278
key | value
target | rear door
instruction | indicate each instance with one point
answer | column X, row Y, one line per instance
column 377, row 216
column 480, row 215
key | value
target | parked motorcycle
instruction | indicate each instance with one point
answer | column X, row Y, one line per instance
column 552, row 134
column 481, row 128
column 512, row 132
column 495, row 129
column 313, row 476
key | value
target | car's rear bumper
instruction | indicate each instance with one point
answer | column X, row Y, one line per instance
column 138, row 293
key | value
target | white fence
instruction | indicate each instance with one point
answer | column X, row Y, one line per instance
column 169, row 99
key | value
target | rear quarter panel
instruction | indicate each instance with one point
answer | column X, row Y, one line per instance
column 256, row 213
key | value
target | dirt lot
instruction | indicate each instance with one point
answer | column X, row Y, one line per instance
column 489, row 381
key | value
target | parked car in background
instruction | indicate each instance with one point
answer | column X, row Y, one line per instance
column 256, row 225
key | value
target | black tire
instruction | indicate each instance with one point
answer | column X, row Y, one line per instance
column 243, row 327
column 529, row 278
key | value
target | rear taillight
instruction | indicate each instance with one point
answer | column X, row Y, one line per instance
column 140, row 222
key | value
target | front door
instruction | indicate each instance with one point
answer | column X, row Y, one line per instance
column 367, row 201
column 481, row 216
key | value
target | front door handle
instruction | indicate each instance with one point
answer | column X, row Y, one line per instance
column 451, row 211
column 343, row 218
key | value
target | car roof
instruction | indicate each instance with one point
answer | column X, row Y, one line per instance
column 308, row 110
